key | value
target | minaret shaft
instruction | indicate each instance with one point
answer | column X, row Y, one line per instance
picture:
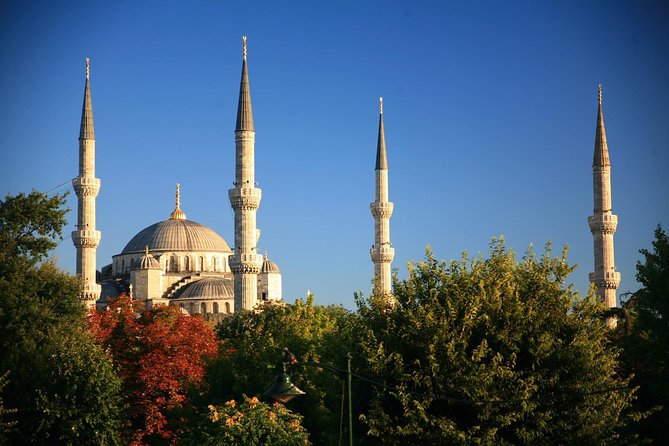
column 603, row 222
column 382, row 253
column 245, row 263
column 86, row 238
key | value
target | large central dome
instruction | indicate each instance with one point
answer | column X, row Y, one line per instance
column 177, row 235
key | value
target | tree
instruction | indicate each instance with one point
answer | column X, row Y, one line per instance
column 29, row 227
column 251, row 348
column 492, row 351
column 61, row 384
column 249, row 423
column 160, row 354
column 646, row 347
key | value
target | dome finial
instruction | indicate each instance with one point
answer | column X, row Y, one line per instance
column 599, row 93
column 146, row 250
column 178, row 214
column 244, row 47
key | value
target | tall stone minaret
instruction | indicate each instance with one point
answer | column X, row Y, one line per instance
column 86, row 238
column 382, row 253
column 603, row 222
column 245, row 263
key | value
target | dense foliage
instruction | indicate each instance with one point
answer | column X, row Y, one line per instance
column 249, row 423
column 160, row 355
column 251, row 350
column 60, row 382
column 646, row 345
column 492, row 351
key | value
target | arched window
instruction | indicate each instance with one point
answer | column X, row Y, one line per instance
column 122, row 266
column 174, row 263
column 213, row 263
column 201, row 263
column 264, row 296
column 166, row 265
column 192, row 308
column 203, row 308
column 215, row 307
column 227, row 307
column 187, row 263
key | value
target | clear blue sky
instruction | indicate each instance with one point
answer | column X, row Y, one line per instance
column 490, row 112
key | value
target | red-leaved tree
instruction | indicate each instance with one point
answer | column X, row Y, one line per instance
column 160, row 354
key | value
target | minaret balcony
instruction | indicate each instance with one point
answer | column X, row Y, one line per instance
column 381, row 210
column 86, row 186
column 86, row 238
column 245, row 263
column 608, row 279
column 603, row 223
column 382, row 253
column 246, row 198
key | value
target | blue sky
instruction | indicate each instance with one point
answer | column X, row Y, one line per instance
column 490, row 112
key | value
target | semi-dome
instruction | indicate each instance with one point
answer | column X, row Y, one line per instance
column 207, row 288
column 177, row 235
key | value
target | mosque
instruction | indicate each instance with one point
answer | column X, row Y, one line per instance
column 186, row 264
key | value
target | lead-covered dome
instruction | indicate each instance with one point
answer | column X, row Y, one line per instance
column 207, row 288
column 177, row 235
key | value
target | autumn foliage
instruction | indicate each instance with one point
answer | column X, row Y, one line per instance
column 160, row 354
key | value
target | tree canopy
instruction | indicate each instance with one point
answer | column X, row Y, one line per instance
column 60, row 382
column 492, row 351
column 160, row 355
column 646, row 345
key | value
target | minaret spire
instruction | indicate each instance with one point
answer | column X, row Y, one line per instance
column 603, row 222
column 86, row 238
column 177, row 213
column 245, row 263
column 382, row 253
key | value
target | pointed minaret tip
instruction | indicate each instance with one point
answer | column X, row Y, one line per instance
column 381, row 158
column 244, row 47
column 88, row 68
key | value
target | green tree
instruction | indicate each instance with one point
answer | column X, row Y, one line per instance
column 61, row 383
column 646, row 347
column 492, row 351
column 251, row 349
column 249, row 423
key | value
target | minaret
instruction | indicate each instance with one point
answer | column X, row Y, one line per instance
column 245, row 263
column 603, row 222
column 382, row 253
column 86, row 238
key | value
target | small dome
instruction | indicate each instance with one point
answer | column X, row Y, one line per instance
column 177, row 235
column 269, row 267
column 148, row 262
column 207, row 288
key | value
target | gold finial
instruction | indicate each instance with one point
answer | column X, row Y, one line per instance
column 88, row 68
column 599, row 93
column 130, row 288
column 381, row 104
column 178, row 214
column 244, row 51
column 146, row 250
